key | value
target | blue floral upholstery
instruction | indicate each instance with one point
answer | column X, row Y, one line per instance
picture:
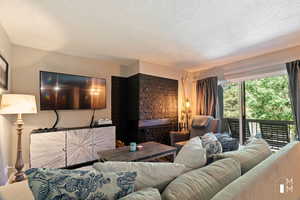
column 228, row 143
column 59, row 184
column 211, row 144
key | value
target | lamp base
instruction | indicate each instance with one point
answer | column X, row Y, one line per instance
column 19, row 175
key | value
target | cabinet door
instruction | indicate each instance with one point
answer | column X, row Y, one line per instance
column 47, row 150
column 79, row 146
column 104, row 139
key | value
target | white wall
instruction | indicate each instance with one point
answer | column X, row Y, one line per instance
column 28, row 62
column 5, row 130
column 159, row 70
column 131, row 69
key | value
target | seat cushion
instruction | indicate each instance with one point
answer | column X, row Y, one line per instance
column 79, row 184
column 150, row 174
column 192, row 154
column 145, row 194
column 203, row 183
column 250, row 155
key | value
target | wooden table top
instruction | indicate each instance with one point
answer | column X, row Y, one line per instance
column 150, row 149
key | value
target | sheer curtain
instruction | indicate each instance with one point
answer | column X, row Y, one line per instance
column 207, row 92
column 293, row 69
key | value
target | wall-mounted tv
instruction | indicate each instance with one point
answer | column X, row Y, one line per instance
column 69, row 92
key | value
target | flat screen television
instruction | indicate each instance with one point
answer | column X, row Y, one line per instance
column 69, row 92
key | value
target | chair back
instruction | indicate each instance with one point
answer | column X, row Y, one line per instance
column 212, row 127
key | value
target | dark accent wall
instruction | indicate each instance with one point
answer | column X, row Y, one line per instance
column 142, row 98
column 133, row 97
column 119, row 103
column 152, row 98
column 158, row 98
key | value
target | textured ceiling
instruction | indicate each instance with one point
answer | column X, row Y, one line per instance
column 185, row 34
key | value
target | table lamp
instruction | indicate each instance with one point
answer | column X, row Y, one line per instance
column 18, row 104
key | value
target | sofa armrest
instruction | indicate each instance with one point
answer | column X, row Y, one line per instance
column 16, row 191
column 178, row 137
column 263, row 181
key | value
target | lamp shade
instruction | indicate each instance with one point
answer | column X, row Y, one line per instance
column 17, row 104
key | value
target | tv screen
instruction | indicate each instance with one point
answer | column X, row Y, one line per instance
column 64, row 91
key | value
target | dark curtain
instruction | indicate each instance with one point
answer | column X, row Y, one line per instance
column 220, row 104
column 293, row 69
column 207, row 92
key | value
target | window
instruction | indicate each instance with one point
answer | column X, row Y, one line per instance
column 231, row 100
column 268, row 99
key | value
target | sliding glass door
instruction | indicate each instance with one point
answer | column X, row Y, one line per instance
column 269, row 113
column 232, row 109
column 259, row 108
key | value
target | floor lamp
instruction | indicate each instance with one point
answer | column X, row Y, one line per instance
column 18, row 104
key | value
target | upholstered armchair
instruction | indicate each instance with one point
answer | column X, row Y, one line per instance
column 200, row 126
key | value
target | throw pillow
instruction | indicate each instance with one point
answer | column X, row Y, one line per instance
column 228, row 143
column 192, row 154
column 145, row 194
column 150, row 174
column 211, row 143
column 250, row 155
column 203, row 183
column 58, row 184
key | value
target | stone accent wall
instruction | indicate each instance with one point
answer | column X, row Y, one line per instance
column 152, row 98
column 158, row 98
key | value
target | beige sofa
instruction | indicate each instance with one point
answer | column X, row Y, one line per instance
column 262, row 182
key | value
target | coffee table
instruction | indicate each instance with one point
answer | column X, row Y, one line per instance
column 150, row 151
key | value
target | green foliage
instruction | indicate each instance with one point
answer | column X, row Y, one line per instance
column 266, row 98
column 231, row 101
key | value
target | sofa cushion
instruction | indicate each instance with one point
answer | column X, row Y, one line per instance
column 79, row 184
column 16, row 191
column 144, row 194
column 203, row 183
column 192, row 154
column 150, row 174
column 250, row 155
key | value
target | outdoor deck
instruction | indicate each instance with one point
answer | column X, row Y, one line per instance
column 276, row 133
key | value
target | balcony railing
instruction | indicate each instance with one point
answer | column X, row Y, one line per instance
column 276, row 133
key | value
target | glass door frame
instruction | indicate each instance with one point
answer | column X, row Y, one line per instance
column 242, row 119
